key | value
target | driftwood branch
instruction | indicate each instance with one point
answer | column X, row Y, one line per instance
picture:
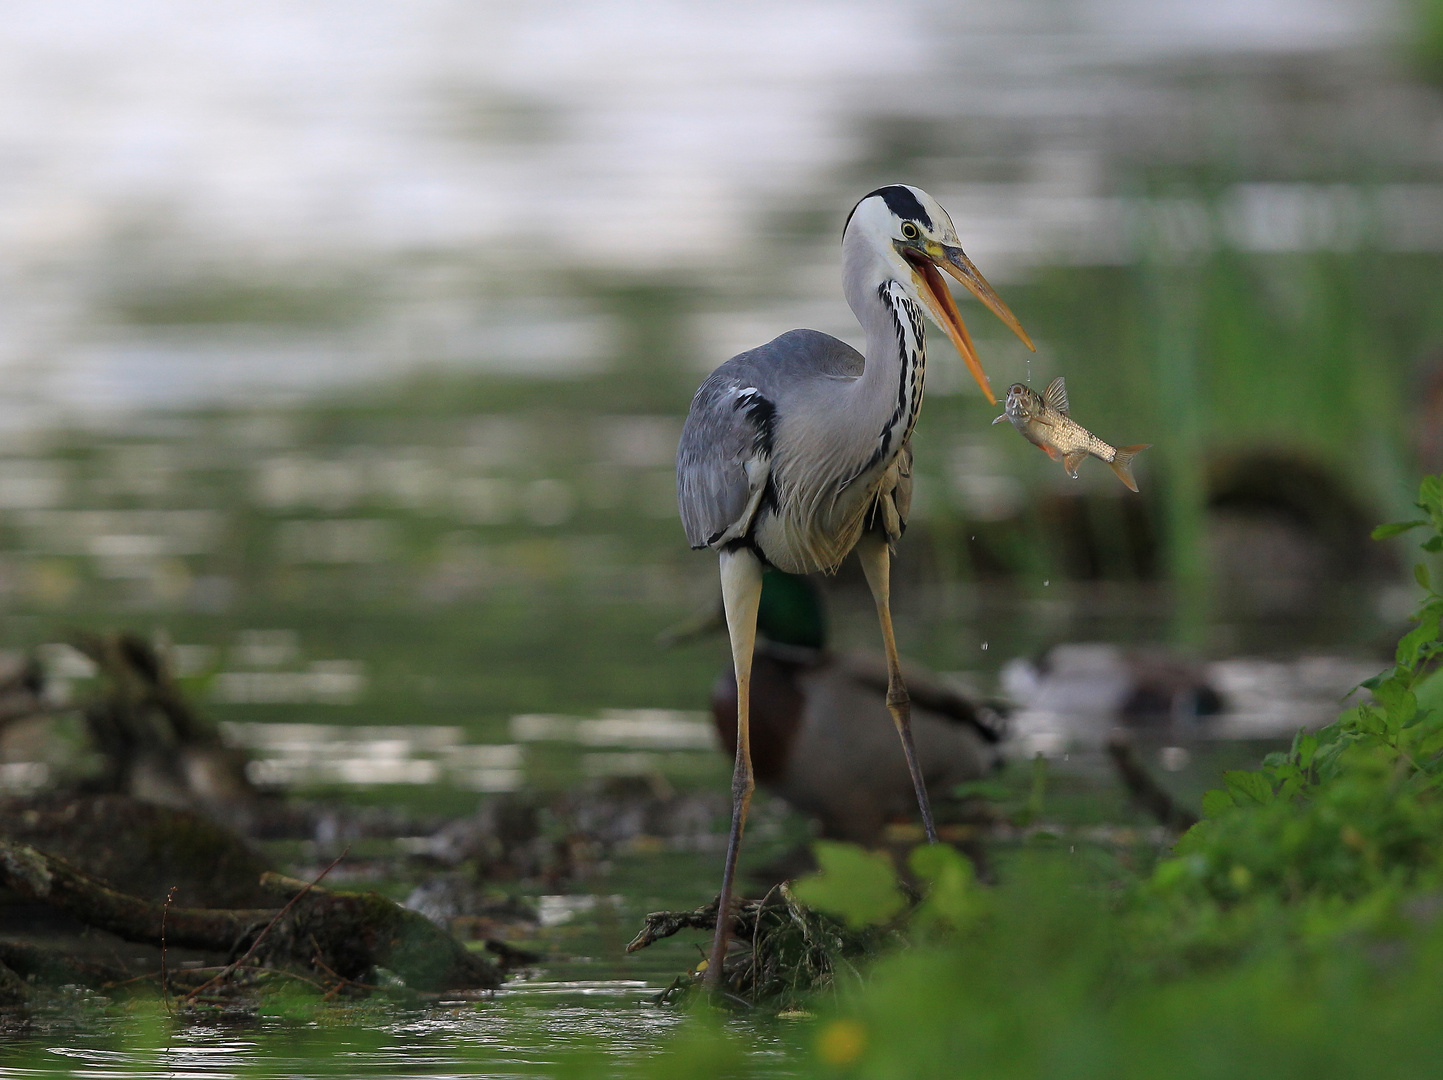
column 663, row 924
column 349, row 933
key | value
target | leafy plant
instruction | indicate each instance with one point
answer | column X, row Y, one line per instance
column 1346, row 813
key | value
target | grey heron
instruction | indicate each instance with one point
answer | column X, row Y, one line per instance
column 798, row 452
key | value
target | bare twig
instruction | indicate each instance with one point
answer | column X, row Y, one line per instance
column 269, row 927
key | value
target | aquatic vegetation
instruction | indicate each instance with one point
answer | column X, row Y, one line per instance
column 1349, row 812
column 783, row 953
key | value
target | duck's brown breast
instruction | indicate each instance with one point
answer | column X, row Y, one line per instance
column 776, row 714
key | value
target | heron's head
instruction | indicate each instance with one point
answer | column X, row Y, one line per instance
column 910, row 232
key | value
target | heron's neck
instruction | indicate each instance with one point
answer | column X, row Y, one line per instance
column 888, row 396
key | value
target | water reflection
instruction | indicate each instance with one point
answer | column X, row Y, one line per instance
column 664, row 743
column 526, row 1031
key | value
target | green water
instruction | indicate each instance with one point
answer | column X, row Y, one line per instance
column 530, row 1029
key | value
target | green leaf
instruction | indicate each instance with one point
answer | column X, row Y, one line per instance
column 1395, row 528
column 1430, row 494
column 1286, row 771
column 1420, row 575
column 1414, row 640
column 1307, row 746
column 1216, row 802
column 1397, row 700
column 1430, row 744
column 953, row 897
column 1434, row 543
column 859, row 887
column 1248, row 787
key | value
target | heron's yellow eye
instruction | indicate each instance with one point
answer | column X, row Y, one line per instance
column 909, row 231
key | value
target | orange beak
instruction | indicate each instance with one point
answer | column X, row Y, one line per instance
column 938, row 299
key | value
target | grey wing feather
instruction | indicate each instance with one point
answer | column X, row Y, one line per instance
column 717, row 463
column 723, row 463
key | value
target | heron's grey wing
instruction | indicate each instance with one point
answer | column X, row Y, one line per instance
column 724, row 459
column 723, row 464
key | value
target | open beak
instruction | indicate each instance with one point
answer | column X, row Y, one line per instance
column 943, row 309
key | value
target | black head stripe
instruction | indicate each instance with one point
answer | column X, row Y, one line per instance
column 900, row 200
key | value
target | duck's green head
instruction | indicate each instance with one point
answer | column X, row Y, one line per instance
column 791, row 611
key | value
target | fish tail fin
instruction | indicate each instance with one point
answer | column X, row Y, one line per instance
column 1122, row 463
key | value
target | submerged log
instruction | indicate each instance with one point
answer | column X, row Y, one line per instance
column 342, row 936
column 354, row 933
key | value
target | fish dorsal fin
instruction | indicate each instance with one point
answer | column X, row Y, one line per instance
column 1055, row 396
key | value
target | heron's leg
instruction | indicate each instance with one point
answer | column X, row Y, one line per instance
column 877, row 565
column 741, row 578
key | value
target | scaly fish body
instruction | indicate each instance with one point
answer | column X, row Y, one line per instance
column 1043, row 421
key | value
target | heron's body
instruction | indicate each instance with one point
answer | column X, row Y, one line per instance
column 796, row 453
column 743, row 454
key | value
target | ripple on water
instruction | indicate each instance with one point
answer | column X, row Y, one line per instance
column 525, row 1030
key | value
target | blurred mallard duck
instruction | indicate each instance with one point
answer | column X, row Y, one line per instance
column 821, row 735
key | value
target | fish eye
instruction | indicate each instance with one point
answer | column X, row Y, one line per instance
column 909, row 231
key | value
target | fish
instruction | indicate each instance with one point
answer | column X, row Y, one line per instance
column 1044, row 422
